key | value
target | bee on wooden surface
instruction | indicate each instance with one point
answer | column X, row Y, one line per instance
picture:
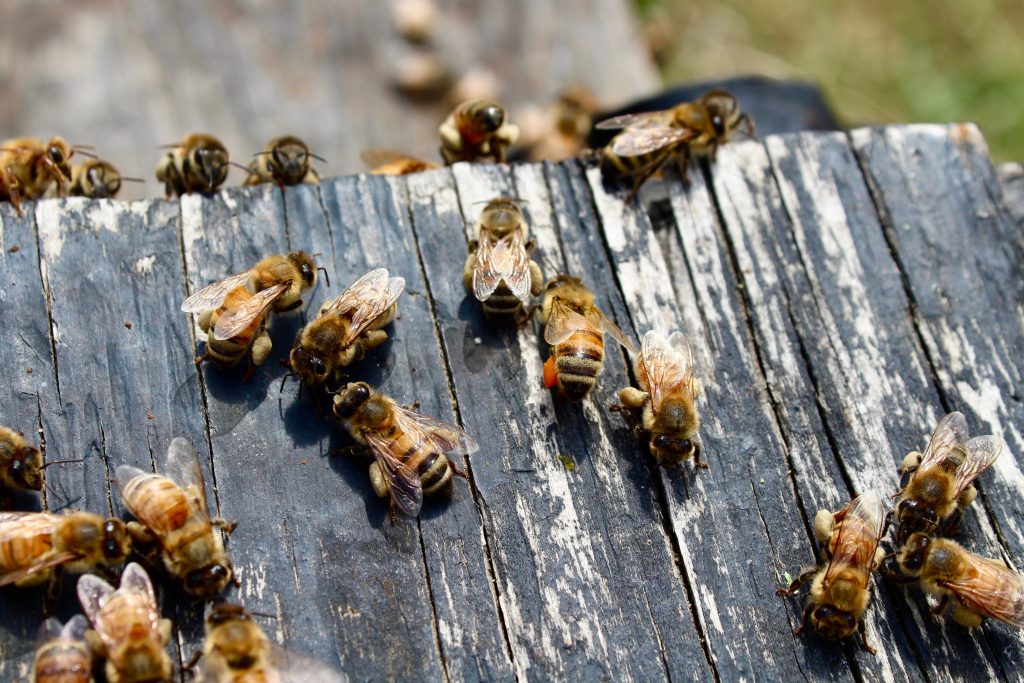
column 688, row 129
column 665, row 406
column 390, row 162
column 97, row 179
column 561, row 131
column 21, row 464
column 499, row 271
column 199, row 163
column 940, row 484
column 840, row 592
column 127, row 629
column 236, row 649
column 575, row 327
column 476, row 131
column 976, row 586
column 33, row 544
column 175, row 520
column 63, row 655
column 412, row 452
column 30, row 166
column 346, row 328
column 294, row 272
column 284, row 161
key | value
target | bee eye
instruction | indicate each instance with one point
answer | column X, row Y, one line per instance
column 56, row 154
column 17, row 467
column 307, row 273
column 111, row 549
column 109, row 526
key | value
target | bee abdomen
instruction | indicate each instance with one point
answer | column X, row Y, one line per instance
column 578, row 362
column 62, row 663
column 502, row 307
column 157, row 501
column 435, row 474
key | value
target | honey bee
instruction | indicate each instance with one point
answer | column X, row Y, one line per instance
column 575, row 329
column 199, row 163
column 412, row 452
column 499, row 271
column 175, row 520
column 21, row 465
column 562, row 131
column 97, row 179
column 688, row 129
column 237, row 650
column 840, row 591
column 33, row 544
column 128, row 630
column 940, row 484
column 30, row 166
column 346, row 328
column 63, row 656
column 476, row 130
column 295, row 272
column 284, row 161
column 977, row 587
column 390, row 162
column 664, row 407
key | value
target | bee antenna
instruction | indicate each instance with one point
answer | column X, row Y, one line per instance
column 550, row 264
column 283, row 380
column 80, row 152
column 318, row 157
column 244, row 168
column 132, row 180
column 326, row 276
column 263, row 153
column 78, row 148
column 61, row 462
column 264, row 615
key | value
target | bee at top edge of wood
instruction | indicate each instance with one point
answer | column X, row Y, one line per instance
column 499, row 271
column 21, row 464
column 174, row 521
column 939, row 484
column 236, row 648
column 286, row 160
column 649, row 139
column 840, row 591
column 664, row 407
column 561, row 131
column 346, row 328
column 127, row 629
column 29, row 167
column 477, row 130
column 575, row 328
column 390, row 162
column 63, row 656
column 97, row 179
column 412, row 452
column 199, row 163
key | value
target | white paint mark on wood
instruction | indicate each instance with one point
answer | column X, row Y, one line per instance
column 144, row 265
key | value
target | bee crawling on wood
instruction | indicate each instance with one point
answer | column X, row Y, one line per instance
column 390, row 162
column 477, row 130
column 412, row 452
column 199, row 163
column 841, row 589
column 63, row 655
column 29, row 167
column 284, row 161
column 97, row 179
column 21, row 464
column 664, row 408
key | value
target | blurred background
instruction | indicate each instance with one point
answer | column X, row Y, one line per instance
column 345, row 75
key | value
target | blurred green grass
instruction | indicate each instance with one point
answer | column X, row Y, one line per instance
column 878, row 61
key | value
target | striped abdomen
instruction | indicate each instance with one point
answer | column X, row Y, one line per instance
column 423, row 458
column 230, row 351
column 614, row 165
column 157, row 502
column 63, row 661
column 578, row 362
column 503, row 307
column 24, row 547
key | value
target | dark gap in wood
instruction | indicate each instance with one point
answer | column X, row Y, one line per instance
column 330, row 229
column 106, row 466
column 44, row 281
column 660, row 485
column 42, row 449
column 477, row 498
column 436, row 630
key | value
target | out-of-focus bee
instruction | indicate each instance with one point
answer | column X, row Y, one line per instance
column 30, row 166
column 390, row 162
column 664, row 407
column 287, row 275
column 21, row 465
column 978, row 587
column 940, row 484
column 32, row 544
column 840, row 591
column 199, row 163
column 561, row 131
column 63, row 655
column 346, row 328
column 688, row 129
column 127, row 629
column 284, row 161
column 411, row 451
column 499, row 271
column 97, row 179
column 175, row 520
column 575, row 329
column 477, row 130
column 237, row 650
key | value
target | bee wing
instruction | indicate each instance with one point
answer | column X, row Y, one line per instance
column 859, row 534
column 183, row 469
column 637, row 120
column 666, row 365
column 992, row 589
column 46, row 561
column 634, row 142
column 949, row 435
column 213, row 295
column 21, row 524
column 50, row 629
column 372, row 305
column 616, row 332
column 404, row 484
column 93, row 593
column 75, row 628
column 448, row 438
column 507, row 259
column 564, row 322
column 234, row 321
column 135, row 583
column 982, row 451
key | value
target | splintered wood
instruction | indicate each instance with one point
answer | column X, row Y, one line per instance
column 840, row 292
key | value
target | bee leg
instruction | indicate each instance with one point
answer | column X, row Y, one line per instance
column 249, row 369
column 952, row 524
column 291, row 307
column 349, row 451
column 794, row 586
column 13, row 190
column 224, row 525
column 455, row 468
column 193, row 660
column 199, row 359
column 697, row 462
column 805, row 622
column 941, row 607
column 52, row 592
column 863, row 631
column 898, row 579
column 392, row 509
column 527, row 315
column 414, row 406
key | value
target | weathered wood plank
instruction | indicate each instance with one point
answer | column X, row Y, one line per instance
column 1011, row 177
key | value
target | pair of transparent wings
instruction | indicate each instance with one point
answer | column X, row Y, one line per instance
column 74, row 629
column 665, row 366
column 422, row 432
column 25, row 525
column 644, row 133
column 182, row 468
column 949, row 441
column 138, row 607
column 990, row 588
column 504, row 259
column 859, row 533
column 365, row 300
column 565, row 322
column 246, row 308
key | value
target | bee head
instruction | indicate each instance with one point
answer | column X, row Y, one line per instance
column 211, row 163
column 502, row 215
column 723, row 110
column 307, row 365
column 913, row 515
column 561, row 280
column 116, row 542
column 347, row 402
column 26, row 469
column 306, row 267
column 207, row 581
column 490, row 115
column 289, row 159
column 913, row 553
column 103, row 180
column 59, row 152
column 673, row 449
column 832, row 623
column 221, row 611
